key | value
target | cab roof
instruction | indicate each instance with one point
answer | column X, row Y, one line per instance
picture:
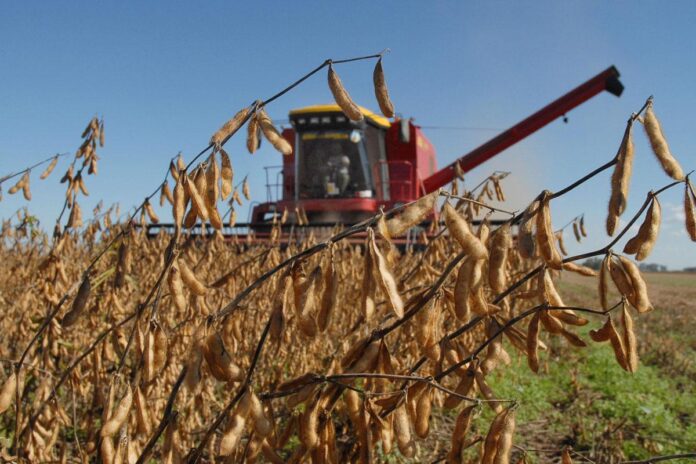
column 376, row 119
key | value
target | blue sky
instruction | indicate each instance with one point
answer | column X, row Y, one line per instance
column 165, row 75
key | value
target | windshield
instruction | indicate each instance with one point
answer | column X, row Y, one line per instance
column 331, row 165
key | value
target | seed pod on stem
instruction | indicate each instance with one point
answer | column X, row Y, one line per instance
column 603, row 283
column 342, row 97
column 253, row 133
column 166, row 194
column 629, row 340
column 659, row 144
column 526, row 246
column 620, row 179
column 119, row 415
column 198, row 208
column 381, row 91
column 533, row 342
column 79, row 303
column 179, row 203
column 459, row 229
column 641, row 245
column 190, row 279
column 639, row 295
column 412, row 215
column 500, row 244
column 49, row 169
column 544, row 237
column 229, row 128
column 176, row 288
column 690, row 210
column 271, row 133
column 386, row 279
column 402, row 430
column 461, row 428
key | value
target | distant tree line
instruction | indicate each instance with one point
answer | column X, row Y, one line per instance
column 595, row 263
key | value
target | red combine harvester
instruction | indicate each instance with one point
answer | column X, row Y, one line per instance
column 342, row 172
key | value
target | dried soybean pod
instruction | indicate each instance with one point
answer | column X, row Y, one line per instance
column 491, row 443
column 461, row 428
column 229, row 128
column 386, row 279
column 602, row 334
column 15, row 188
column 277, row 320
column 423, row 409
column 226, row 174
column 583, row 231
column 144, row 426
column 629, row 340
column 544, row 234
column 603, row 283
column 502, row 455
column 26, row 191
column 412, row 214
column 645, row 239
column 197, row 201
column 49, row 169
column 466, row 383
column 561, row 244
column 402, row 429
column 620, row 278
column 690, row 211
column 253, row 133
column 659, row 145
column 462, row 307
column 262, row 425
column 119, row 416
column 550, row 291
column 328, row 296
column 582, row 270
column 618, row 346
column 381, row 91
column 500, row 244
column 271, row 133
column 179, row 203
column 147, row 207
column 533, row 342
column 79, row 303
column 576, row 232
column 190, row 279
column 459, row 229
column 526, row 245
column 176, row 288
column 235, row 427
column 7, row 393
column 342, row 98
column 219, row 361
column 369, row 286
column 166, row 194
column 620, row 179
column 212, row 178
column 309, row 422
column 640, row 299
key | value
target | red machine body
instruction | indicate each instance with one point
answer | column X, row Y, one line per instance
column 343, row 172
